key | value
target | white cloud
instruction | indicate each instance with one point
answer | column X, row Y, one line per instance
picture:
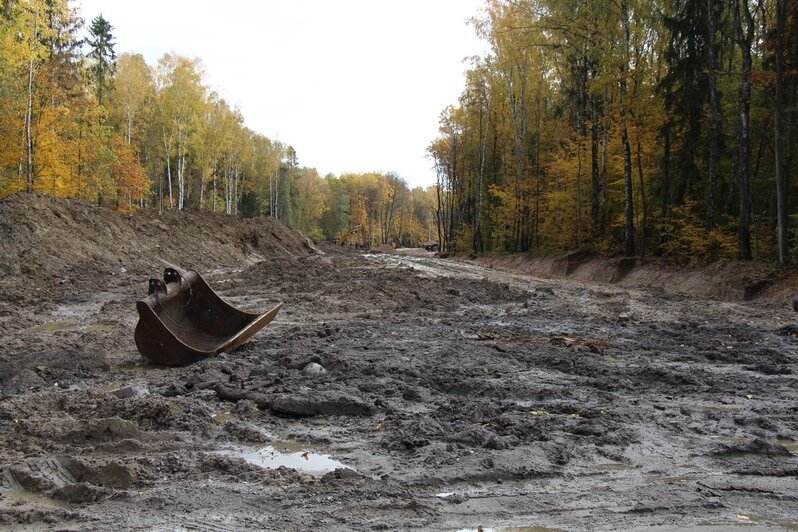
column 353, row 85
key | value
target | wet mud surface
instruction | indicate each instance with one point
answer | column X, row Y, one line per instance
column 397, row 392
column 451, row 396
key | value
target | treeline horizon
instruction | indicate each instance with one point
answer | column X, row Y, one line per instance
column 664, row 127
column 76, row 120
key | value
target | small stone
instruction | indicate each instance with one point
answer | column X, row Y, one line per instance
column 313, row 370
column 134, row 390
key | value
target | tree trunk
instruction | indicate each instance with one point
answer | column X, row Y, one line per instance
column 167, row 149
column 29, row 174
column 629, row 227
column 579, row 192
column 594, row 167
column 604, row 141
column 643, row 203
column 440, row 216
column 538, row 173
column 236, row 189
column 202, row 191
column 781, row 181
column 714, row 108
column 28, row 137
column 745, row 37
column 213, row 188
column 271, row 195
column 399, row 238
column 129, row 123
column 181, row 182
column 666, row 171
column 227, row 189
column 483, row 132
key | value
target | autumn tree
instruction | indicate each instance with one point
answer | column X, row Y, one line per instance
column 180, row 95
column 585, row 116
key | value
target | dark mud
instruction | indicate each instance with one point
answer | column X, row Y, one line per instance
column 451, row 396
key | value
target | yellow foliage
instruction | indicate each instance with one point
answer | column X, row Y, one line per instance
column 51, row 157
column 128, row 175
column 689, row 243
column 559, row 225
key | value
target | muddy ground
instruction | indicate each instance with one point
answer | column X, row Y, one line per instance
column 453, row 395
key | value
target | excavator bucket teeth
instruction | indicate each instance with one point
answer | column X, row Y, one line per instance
column 183, row 320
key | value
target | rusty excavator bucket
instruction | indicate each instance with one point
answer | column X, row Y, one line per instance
column 183, row 320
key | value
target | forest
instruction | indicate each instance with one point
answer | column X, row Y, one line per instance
column 659, row 128
column 663, row 127
column 78, row 121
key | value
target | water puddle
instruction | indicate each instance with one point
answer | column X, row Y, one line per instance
column 752, row 522
column 285, row 454
column 84, row 309
column 760, row 519
column 51, row 326
column 23, row 496
column 791, row 446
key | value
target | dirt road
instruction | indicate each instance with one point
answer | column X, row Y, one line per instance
column 451, row 396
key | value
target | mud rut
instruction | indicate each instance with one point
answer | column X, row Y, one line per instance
column 455, row 396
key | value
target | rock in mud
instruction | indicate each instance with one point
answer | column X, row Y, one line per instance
column 320, row 404
column 313, row 370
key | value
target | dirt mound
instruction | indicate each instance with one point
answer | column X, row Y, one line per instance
column 724, row 280
column 44, row 236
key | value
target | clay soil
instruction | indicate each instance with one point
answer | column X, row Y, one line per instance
column 453, row 394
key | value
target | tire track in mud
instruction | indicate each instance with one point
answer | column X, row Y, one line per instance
column 631, row 320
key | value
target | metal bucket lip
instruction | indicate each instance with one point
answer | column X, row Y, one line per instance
column 156, row 336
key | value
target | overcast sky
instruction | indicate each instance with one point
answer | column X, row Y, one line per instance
column 353, row 85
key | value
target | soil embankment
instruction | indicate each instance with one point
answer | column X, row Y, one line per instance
column 47, row 238
column 725, row 280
